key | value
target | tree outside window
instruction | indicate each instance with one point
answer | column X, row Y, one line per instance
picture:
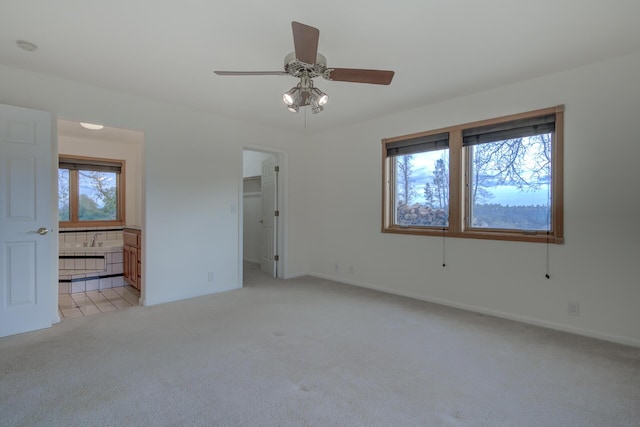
column 89, row 192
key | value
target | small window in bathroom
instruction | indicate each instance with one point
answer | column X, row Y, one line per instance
column 90, row 191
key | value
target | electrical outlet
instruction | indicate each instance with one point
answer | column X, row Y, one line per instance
column 573, row 308
column 211, row 276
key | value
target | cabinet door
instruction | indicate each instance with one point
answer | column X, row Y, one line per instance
column 126, row 266
column 134, row 268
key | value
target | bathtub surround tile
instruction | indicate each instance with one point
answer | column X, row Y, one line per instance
column 117, row 268
column 79, row 264
column 117, row 282
column 69, row 264
column 106, row 283
column 78, row 287
column 93, row 285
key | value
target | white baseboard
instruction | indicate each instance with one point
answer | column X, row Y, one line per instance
column 537, row 322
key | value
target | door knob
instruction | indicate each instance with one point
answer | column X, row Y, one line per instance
column 42, row 231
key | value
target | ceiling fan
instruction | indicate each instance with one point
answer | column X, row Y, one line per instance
column 306, row 64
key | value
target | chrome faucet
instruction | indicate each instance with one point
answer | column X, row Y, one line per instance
column 93, row 239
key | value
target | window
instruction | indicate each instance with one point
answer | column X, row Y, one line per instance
column 90, row 191
column 495, row 179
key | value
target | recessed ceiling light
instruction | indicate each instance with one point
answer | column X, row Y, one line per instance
column 25, row 45
column 91, row 126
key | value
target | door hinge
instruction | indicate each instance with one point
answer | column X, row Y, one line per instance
column 277, row 168
column 276, row 213
column 276, row 258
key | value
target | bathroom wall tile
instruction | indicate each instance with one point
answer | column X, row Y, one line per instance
column 90, row 264
column 116, row 257
column 117, row 268
column 105, row 283
column 118, row 281
column 78, row 286
column 60, row 264
column 79, row 264
column 93, row 285
column 69, row 264
column 101, row 264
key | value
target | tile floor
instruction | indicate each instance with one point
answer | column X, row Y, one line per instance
column 93, row 302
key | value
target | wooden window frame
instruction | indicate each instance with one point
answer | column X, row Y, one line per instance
column 459, row 226
column 74, row 195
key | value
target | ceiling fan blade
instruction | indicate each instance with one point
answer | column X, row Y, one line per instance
column 251, row 73
column 355, row 75
column 305, row 41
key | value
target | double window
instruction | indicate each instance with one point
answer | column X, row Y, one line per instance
column 495, row 179
column 90, row 191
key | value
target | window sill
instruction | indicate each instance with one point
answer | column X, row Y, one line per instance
column 519, row 236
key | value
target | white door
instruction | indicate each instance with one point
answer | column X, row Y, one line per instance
column 268, row 259
column 27, row 277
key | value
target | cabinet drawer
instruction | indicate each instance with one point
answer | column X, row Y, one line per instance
column 130, row 239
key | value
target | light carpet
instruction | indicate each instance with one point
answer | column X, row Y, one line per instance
column 310, row 352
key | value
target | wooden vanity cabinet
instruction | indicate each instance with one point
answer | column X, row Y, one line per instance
column 131, row 253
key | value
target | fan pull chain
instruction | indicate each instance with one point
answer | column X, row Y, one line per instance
column 444, row 264
column 547, row 260
column 547, row 266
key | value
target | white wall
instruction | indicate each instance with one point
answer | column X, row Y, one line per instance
column 193, row 170
column 130, row 153
column 598, row 264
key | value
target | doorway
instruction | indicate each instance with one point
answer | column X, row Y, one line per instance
column 263, row 216
column 97, row 169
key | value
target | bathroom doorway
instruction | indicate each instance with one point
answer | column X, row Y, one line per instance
column 98, row 168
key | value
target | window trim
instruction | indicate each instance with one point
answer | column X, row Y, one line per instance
column 458, row 186
column 74, row 192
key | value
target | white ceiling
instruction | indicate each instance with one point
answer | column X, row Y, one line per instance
column 439, row 49
column 107, row 134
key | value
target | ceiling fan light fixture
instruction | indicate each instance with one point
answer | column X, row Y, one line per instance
column 293, row 108
column 320, row 97
column 289, row 97
column 315, row 107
